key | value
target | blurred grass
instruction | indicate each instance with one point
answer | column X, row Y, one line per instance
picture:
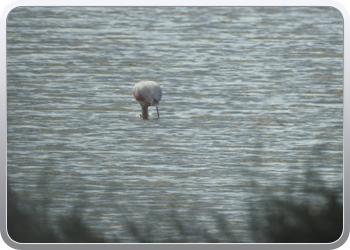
column 286, row 221
column 26, row 224
column 276, row 221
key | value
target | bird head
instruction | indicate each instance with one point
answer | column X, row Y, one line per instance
column 154, row 102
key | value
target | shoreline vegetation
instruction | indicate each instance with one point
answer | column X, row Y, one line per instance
column 278, row 220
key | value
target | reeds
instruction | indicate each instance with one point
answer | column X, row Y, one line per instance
column 277, row 221
column 285, row 221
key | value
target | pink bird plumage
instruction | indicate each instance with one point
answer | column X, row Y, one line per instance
column 147, row 93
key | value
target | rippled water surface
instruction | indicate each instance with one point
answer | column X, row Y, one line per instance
column 252, row 100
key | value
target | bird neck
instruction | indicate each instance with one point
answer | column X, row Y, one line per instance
column 145, row 112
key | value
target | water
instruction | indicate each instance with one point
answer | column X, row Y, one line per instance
column 252, row 101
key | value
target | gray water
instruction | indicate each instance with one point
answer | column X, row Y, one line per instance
column 252, row 102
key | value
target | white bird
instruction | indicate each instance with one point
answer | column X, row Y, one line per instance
column 147, row 93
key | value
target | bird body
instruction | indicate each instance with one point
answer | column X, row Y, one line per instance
column 147, row 93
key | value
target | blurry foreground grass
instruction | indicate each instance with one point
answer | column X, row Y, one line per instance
column 33, row 226
column 286, row 221
column 277, row 221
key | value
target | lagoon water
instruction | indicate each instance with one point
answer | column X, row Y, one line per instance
column 252, row 106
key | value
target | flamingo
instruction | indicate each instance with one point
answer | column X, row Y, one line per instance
column 147, row 93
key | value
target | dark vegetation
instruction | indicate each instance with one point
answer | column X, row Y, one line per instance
column 286, row 221
column 276, row 221
column 33, row 226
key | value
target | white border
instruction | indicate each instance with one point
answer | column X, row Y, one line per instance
column 342, row 5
